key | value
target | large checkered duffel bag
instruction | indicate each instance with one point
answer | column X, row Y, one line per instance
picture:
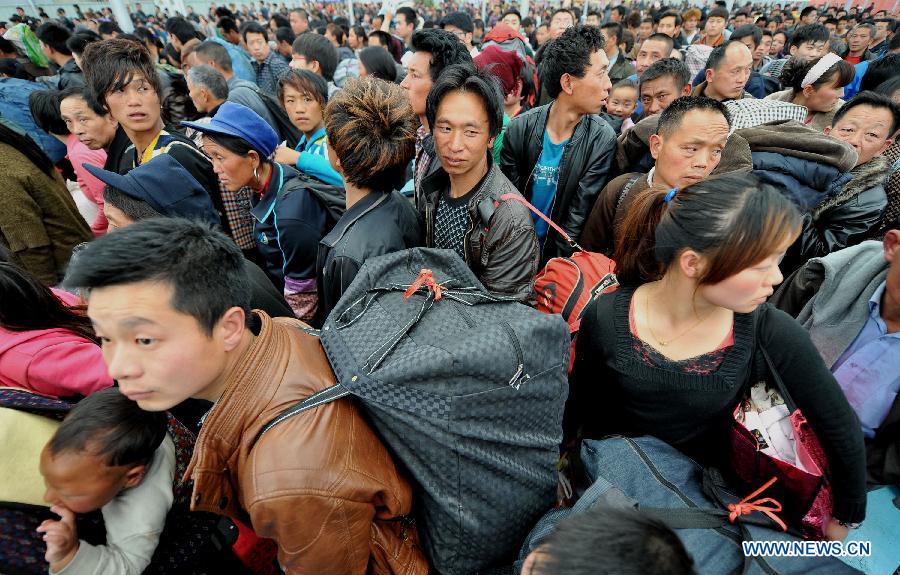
column 465, row 388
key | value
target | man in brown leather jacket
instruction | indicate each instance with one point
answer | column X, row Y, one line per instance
column 461, row 201
column 169, row 300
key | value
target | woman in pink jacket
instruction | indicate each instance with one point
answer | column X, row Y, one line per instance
column 47, row 344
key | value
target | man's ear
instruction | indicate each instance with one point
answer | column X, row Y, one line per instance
column 230, row 327
column 134, row 475
column 566, row 84
column 709, row 75
column 686, row 91
column 317, row 68
column 826, row 130
column 891, row 244
column 656, row 143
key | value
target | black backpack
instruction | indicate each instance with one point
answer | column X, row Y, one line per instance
column 467, row 391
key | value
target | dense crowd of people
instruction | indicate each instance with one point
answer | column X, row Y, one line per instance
column 179, row 199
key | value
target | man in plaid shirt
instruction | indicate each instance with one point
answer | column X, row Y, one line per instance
column 269, row 65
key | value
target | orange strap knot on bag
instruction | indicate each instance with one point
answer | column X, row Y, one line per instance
column 425, row 278
column 766, row 505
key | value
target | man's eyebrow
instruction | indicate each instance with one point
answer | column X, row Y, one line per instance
column 133, row 322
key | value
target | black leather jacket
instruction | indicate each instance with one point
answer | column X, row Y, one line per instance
column 500, row 244
column 844, row 219
column 585, row 168
column 378, row 224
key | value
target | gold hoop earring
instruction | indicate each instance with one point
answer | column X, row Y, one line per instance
column 256, row 175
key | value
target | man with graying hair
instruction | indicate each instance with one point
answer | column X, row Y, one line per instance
column 207, row 88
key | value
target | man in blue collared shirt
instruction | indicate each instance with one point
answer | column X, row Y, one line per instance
column 849, row 301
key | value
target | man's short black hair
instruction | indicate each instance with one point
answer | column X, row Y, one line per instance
column 560, row 11
column 204, row 267
column 182, row 29
column 670, row 118
column 44, row 108
column 622, row 10
column 514, row 12
column 409, row 14
column 807, row 10
column 718, row 12
column 318, row 48
column 672, row 67
column 108, row 27
column 748, row 31
column 460, row 20
column 112, row 427
column 254, row 28
column 623, row 540
column 670, row 14
column 285, row 34
column 55, row 36
column 467, row 78
column 875, row 100
column 879, row 71
column 809, row 33
column 279, row 20
column 612, row 30
column 227, row 24
column 132, row 207
column 717, row 56
column 113, row 64
column 213, row 51
column 444, row 47
column 77, row 41
column 664, row 38
column 569, row 54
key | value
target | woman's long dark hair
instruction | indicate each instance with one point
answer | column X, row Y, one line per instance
column 732, row 219
column 27, row 146
column 379, row 63
column 26, row 304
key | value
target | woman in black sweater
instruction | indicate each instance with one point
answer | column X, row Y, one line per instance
column 670, row 353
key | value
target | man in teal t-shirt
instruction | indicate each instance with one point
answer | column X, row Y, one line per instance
column 546, row 175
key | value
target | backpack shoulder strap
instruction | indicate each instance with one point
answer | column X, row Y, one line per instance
column 327, row 395
column 625, row 189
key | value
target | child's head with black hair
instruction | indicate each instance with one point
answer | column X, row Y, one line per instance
column 104, row 445
column 623, row 97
